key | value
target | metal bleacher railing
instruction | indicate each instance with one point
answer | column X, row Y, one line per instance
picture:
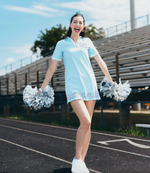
column 22, row 62
column 126, row 26
column 112, row 31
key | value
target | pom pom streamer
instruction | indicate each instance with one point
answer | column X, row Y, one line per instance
column 118, row 92
column 32, row 100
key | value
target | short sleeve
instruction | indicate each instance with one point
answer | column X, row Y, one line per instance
column 91, row 48
column 58, row 53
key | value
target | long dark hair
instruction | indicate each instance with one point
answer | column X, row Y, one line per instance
column 69, row 31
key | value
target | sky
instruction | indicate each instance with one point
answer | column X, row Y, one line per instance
column 22, row 20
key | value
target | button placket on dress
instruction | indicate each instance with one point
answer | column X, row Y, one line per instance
column 92, row 95
column 75, row 44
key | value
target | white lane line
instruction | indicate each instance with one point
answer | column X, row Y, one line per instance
column 106, row 142
column 36, row 151
column 94, row 171
column 122, row 151
column 43, row 134
column 94, row 145
column 60, row 127
column 127, row 140
column 137, row 145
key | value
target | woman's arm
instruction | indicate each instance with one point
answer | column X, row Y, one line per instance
column 49, row 73
column 103, row 67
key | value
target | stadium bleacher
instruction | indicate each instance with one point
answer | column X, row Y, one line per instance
column 134, row 56
column 134, row 64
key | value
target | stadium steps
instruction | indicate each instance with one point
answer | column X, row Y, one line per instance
column 134, row 63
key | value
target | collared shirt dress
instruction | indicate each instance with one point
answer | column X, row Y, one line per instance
column 80, row 81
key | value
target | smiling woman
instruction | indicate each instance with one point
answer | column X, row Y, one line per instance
column 81, row 22
column 80, row 82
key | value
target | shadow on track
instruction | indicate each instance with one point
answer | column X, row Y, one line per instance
column 63, row 170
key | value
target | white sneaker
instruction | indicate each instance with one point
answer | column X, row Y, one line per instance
column 87, row 170
column 78, row 166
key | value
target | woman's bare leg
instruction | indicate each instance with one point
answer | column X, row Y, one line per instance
column 81, row 111
column 90, row 107
column 86, row 145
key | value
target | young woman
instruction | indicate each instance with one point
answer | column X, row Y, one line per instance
column 80, row 83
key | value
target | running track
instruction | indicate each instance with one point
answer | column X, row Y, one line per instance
column 27, row 147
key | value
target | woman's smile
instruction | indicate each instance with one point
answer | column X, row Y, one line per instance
column 77, row 30
column 77, row 25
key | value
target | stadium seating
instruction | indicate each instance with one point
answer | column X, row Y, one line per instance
column 134, row 64
column 134, row 55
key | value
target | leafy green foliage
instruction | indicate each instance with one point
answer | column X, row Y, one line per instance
column 134, row 131
column 47, row 41
column 95, row 33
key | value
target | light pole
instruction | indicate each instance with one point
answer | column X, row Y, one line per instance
column 132, row 15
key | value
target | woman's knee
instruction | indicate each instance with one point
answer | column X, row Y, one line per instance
column 86, row 123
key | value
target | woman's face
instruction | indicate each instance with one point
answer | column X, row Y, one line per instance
column 77, row 25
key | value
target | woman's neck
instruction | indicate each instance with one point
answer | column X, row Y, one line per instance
column 75, row 37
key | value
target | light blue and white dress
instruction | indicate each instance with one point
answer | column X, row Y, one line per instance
column 80, row 81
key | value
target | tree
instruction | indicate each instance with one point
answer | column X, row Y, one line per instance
column 101, row 33
column 95, row 33
column 91, row 32
column 47, row 41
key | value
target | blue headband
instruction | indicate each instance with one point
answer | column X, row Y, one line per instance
column 78, row 12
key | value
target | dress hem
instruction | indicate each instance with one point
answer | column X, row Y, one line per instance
column 83, row 99
column 83, row 96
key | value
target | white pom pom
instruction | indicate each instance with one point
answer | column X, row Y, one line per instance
column 119, row 92
column 31, row 99
column 123, row 91
column 107, row 88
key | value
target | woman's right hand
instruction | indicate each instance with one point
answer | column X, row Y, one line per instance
column 38, row 93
